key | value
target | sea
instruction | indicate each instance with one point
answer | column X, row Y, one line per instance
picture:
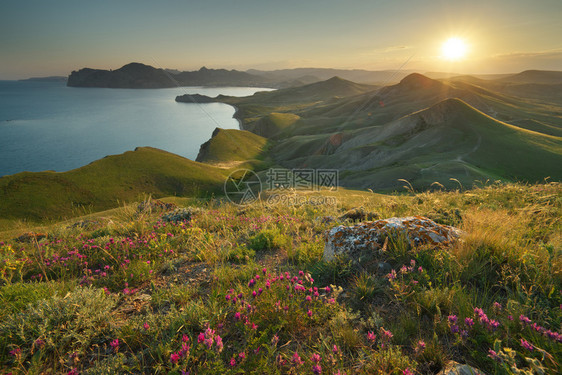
column 45, row 125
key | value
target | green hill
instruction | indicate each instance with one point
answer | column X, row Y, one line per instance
column 448, row 140
column 228, row 145
column 104, row 184
column 534, row 76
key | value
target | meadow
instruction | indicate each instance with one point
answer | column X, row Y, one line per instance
column 202, row 286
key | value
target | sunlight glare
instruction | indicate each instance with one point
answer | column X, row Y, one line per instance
column 454, row 49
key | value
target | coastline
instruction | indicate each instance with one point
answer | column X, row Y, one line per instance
column 236, row 117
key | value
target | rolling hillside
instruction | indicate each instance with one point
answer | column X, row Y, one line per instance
column 104, row 184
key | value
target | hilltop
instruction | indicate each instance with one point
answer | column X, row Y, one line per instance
column 136, row 75
column 103, row 184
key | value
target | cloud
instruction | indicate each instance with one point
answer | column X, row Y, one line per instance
column 389, row 49
column 548, row 54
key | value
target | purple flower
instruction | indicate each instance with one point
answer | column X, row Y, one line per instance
column 174, row 358
column 469, row 322
column 527, row 345
column 315, row 358
column 386, row 334
column 452, row 319
column 316, row 369
column 371, row 336
column 492, row 354
column 524, row 319
column 219, row 342
column 115, row 344
column 335, row 349
column 297, row 359
column 420, row 346
column 309, row 313
column 455, row 328
column 201, row 338
column 146, row 326
column 498, row 306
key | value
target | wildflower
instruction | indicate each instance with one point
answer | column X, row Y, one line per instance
column 315, row 358
column 146, row 326
column 242, row 355
column 407, row 372
column 328, row 289
column 386, row 334
column 174, row 358
column 309, row 313
column 115, row 344
column 527, row 345
column 232, row 362
column 335, row 349
column 254, row 294
column 16, row 352
column 510, row 317
column 74, row 371
column 227, row 297
column 420, row 269
column 371, row 336
column 412, row 262
column 391, row 276
column 200, row 338
column 524, row 319
column 308, row 298
column 297, row 359
column 454, row 328
column 452, row 319
column 498, row 306
column 469, row 322
column 219, row 342
column 317, row 369
column 237, row 316
column 251, row 283
column 493, row 325
column 420, row 347
column 264, row 270
column 492, row 354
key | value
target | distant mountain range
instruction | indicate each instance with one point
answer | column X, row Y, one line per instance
column 137, row 75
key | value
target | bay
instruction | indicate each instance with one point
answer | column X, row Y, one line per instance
column 48, row 126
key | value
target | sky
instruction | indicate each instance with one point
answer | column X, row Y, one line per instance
column 43, row 38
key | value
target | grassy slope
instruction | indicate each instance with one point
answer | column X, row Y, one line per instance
column 449, row 140
column 231, row 145
column 104, row 183
column 511, row 254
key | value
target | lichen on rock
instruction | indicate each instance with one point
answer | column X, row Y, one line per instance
column 371, row 235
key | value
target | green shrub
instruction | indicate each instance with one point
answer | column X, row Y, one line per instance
column 268, row 239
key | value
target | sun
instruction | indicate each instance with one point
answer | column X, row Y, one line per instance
column 454, row 49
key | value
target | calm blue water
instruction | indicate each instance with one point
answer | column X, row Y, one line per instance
column 48, row 126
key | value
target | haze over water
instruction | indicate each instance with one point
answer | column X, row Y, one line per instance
column 48, row 126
